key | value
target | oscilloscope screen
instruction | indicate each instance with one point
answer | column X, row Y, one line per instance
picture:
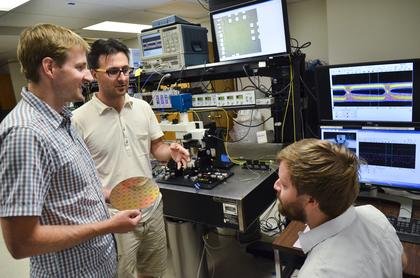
column 370, row 92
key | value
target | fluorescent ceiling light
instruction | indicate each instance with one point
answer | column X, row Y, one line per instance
column 112, row 26
column 11, row 4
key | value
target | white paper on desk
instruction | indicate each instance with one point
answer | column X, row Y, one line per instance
column 297, row 243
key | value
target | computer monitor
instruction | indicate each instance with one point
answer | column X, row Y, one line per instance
column 392, row 155
column 248, row 30
column 370, row 93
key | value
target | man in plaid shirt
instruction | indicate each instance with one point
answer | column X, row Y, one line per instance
column 52, row 208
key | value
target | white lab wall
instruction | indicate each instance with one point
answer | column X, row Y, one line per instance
column 10, row 267
column 132, row 43
column 308, row 22
column 372, row 30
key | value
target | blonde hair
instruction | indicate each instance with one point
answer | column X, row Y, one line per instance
column 45, row 40
column 328, row 172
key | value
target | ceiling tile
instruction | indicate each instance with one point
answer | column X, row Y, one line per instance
column 182, row 9
column 88, row 12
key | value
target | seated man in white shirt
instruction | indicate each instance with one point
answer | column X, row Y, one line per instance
column 318, row 183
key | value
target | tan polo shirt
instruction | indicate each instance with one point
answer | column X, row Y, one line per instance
column 118, row 142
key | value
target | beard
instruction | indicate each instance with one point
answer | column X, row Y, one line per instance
column 293, row 211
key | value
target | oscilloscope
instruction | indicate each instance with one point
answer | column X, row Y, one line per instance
column 173, row 47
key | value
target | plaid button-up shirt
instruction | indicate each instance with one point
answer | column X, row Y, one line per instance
column 47, row 171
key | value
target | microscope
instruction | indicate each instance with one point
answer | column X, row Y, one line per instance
column 209, row 161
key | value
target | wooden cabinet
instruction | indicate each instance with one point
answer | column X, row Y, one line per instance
column 7, row 96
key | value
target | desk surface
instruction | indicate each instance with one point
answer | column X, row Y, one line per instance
column 284, row 242
column 236, row 187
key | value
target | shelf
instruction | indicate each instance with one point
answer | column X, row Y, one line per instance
column 221, row 70
column 208, row 108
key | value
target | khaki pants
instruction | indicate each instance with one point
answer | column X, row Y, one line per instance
column 143, row 249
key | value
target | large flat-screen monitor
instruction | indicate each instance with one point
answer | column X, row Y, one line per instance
column 252, row 29
column 392, row 155
column 370, row 93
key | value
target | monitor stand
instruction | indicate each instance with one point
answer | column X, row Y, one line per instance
column 406, row 204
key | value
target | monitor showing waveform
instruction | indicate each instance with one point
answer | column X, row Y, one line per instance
column 391, row 156
column 388, row 154
column 378, row 94
column 371, row 92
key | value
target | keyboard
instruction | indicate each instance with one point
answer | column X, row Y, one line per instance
column 408, row 229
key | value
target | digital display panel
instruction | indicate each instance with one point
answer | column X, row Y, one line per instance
column 151, row 44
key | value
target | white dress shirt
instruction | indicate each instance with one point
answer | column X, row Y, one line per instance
column 359, row 243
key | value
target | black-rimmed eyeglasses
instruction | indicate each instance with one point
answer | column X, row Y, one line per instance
column 115, row 72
